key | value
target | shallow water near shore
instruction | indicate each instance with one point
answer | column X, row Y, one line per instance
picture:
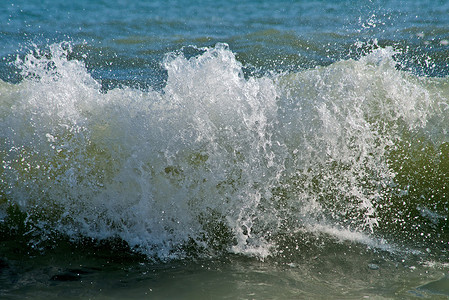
column 336, row 269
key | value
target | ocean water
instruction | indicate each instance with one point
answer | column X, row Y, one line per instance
column 224, row 149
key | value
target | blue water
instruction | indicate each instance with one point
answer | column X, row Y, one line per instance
column 126, row 40
column 224, row 149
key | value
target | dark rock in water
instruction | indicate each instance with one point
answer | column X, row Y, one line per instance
column 66, row 276
column 70, row 275
column 79, row 271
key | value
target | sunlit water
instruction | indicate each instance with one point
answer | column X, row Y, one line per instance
column 224, row 150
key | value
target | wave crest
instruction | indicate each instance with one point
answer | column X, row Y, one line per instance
column 214, row 161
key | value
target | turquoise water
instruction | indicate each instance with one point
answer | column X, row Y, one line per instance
column 243, row 150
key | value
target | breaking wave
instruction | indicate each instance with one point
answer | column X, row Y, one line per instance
column 218, row 160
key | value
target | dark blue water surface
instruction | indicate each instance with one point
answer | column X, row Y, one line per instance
column 126, row 40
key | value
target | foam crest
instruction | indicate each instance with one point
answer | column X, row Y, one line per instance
column 346, row 118
column 150, row 168
column 213, row 162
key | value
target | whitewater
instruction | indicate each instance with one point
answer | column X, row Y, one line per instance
column 216, row 159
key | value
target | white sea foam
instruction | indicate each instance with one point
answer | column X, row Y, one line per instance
column 214, row 159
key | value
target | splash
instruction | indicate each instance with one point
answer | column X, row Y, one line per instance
column 214, row 162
